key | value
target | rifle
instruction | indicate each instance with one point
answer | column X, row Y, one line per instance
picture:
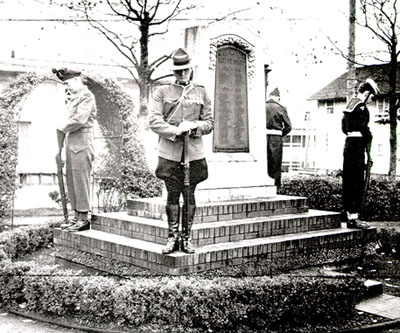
column 186, row 171
column 367, row 178
column 63, row 195
column 367, row 170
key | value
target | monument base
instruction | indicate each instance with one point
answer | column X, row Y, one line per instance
column 234, row 193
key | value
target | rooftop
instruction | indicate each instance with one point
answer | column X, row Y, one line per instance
column 337, row 88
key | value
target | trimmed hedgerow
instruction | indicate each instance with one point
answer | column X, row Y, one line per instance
column 322, row 192
column 220, row 303
column 325, row 193
column 25, row 240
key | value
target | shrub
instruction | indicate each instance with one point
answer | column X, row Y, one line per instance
column 123, row 169
column 325, row 193
column 25, row 240
column 322, row 192
column 389, row 241
column 383, row 199
column 193, row 302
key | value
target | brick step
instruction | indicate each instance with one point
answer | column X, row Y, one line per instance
column 148, row 255
column 223, row 210
column 156, row 231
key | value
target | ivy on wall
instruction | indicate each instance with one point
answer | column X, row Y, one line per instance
column 11, row 99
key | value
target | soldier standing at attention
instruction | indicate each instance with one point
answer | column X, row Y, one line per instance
column 176, row 109
column 278, row 126
column 358, row 143
column 77, row 133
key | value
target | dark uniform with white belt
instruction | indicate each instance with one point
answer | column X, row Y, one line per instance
column 278, row 126
column 358, row 142
column 78, row 134
column 176, row 109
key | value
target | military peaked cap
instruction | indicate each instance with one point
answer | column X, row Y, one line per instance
column 65, row 74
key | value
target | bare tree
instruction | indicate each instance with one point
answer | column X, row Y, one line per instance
column 381, row 17
column 147, row 18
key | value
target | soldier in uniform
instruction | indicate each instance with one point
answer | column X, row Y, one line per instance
column 278, row 126
column 176, row 109
column 358, row 143
column 77, row 132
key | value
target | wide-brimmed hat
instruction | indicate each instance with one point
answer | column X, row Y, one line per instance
column 369, row 85
column 275, row 92
column 181, row 59
column 65, row 73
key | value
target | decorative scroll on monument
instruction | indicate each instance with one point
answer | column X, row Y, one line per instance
column 231, row 132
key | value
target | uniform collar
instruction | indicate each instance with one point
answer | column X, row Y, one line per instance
column 183, row 85
column 352, row 104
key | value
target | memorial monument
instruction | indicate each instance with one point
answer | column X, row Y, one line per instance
column 229, row 62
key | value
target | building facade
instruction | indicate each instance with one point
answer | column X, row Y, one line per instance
column 330, row 102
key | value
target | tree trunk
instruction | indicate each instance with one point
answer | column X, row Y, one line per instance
column 144, row 79
column 351, row 71
column 144, row 92
column 393, row 112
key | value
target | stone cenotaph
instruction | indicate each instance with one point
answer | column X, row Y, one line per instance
column 229, row 63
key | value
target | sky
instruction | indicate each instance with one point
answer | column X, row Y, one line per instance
column 297, row 37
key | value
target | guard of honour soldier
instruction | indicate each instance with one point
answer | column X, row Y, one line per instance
column 180, row 113
column 278, row 126
column 357, row 145
column 77, row 133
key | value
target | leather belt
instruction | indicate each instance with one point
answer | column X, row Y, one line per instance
column 84, row 130
column 274, row 132
column 354, row 135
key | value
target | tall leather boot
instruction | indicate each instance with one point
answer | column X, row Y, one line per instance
column 187, row 222
column 173, row 214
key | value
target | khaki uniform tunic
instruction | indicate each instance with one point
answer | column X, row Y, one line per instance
column 165, row 117
column 79, row 147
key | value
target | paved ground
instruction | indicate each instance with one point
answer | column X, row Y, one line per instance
column 10, row 323
column 383, row 305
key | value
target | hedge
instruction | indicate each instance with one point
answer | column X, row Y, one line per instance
column 325, row 193
column 220, row 303
column 16, row 243
column 208, row 301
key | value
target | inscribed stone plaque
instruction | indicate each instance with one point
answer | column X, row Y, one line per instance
column 231, row 133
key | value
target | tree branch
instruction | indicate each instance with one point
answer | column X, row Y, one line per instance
column 125, row 16
column 106, row 33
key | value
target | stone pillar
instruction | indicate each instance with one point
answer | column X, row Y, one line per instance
column 229, row 62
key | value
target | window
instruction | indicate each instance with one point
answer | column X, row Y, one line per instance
column 286, row 140
column 296, row 140
column 381, row 106
column 329, row 107
column 24, row 131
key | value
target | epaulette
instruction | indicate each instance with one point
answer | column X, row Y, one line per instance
column 198, row 85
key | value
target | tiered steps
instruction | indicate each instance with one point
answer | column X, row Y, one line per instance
column 224, row 233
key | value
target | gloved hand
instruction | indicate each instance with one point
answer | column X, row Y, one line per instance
column 186, row 126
